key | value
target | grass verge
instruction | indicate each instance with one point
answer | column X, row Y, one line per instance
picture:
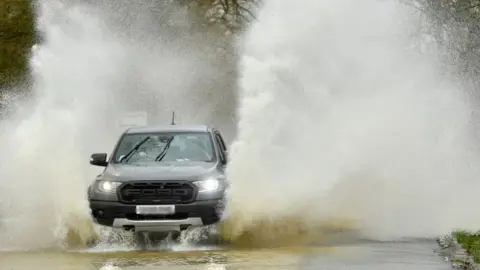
column 470, row 241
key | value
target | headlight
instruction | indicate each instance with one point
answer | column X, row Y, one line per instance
column 108, row 186
column 207, row 185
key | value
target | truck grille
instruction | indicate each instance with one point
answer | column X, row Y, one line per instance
column 164, row 192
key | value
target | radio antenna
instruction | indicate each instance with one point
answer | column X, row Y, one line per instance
column 173, row 118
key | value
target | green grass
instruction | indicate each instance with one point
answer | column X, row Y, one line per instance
column 17, row 35
column 470, row 241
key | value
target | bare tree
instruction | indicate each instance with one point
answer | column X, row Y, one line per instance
column 234, row 14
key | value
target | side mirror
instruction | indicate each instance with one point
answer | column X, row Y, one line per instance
column 99, row 159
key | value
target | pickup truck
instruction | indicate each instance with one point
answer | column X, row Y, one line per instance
column 160, row 179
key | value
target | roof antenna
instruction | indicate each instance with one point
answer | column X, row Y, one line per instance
column 173, row 118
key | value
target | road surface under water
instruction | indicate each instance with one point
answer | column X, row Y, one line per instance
column 360, row 255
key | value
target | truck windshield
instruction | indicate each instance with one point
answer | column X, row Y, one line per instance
column 164, row 147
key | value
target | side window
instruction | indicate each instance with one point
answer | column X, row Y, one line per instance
column 220, row 140
column 222, row 147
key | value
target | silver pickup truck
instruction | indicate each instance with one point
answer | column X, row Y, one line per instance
column 160, row 179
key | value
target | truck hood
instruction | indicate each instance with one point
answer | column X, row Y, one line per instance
column 190, row 171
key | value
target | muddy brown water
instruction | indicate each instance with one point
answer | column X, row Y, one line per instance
column 360, row 255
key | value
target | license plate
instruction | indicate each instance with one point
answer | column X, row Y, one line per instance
column 155, row 209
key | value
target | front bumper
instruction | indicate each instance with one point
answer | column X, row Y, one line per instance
column 119, row 215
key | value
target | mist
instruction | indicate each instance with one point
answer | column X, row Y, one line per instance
column 97, row 61
column 346, row 115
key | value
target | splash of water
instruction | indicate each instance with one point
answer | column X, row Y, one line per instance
column 97, row 61
column 343, row 119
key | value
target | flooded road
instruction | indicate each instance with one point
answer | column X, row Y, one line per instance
column 365, row 255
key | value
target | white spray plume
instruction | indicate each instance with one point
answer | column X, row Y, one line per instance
column 341, row 117
column 96, row 62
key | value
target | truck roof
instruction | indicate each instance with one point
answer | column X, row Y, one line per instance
column 168, row 128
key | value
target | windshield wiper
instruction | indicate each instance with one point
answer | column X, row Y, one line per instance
column 134, row 149
column 164, row 151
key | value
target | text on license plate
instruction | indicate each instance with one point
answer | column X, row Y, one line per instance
column 155, row 209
